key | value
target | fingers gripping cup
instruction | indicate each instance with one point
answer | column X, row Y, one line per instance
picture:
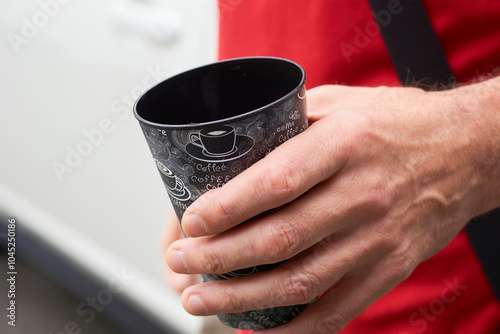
column 207, row 125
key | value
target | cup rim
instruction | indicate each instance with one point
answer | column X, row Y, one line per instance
column 222, row 120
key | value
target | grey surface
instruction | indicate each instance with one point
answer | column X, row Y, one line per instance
column 44, row 307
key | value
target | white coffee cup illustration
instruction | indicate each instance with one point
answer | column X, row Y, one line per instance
column 171, row 180
column 218, row 141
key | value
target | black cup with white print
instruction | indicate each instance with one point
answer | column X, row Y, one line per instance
column 207, row 125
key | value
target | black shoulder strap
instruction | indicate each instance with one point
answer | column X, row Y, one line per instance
column 484, row 234
column 412, row 43
column 419, row 61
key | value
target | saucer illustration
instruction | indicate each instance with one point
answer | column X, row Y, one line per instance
column 218, row 155
column 243, row 144
column 179, row 194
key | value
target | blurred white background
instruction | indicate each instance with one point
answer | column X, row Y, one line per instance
column 75, row 168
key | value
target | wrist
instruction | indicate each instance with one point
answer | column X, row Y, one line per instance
column 477, row 107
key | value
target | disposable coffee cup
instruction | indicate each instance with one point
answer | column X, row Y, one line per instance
column 207, row 125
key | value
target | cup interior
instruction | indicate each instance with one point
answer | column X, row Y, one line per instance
column 219, row 91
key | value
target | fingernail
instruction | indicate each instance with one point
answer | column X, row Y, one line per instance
column 194, row 226
column 177, row 262
column 196, row 306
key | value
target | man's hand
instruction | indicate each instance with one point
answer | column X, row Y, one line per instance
column 382, row 180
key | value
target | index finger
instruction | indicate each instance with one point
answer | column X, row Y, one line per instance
column 285, row 174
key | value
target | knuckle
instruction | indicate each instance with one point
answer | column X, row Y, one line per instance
column 223, row 208
column 402, row 267
column 284, row 180
column 281, row 241
column 360, row 131
column 332, row 322
column 402, row 274
column 299, row 287
column 379, row 194
column 233, row 303
column 377, row 198
column 225, row 212
column 214, row 263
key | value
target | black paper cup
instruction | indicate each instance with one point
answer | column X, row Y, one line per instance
column 207, row 125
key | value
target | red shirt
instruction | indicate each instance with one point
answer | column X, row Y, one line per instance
column 337, row 42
